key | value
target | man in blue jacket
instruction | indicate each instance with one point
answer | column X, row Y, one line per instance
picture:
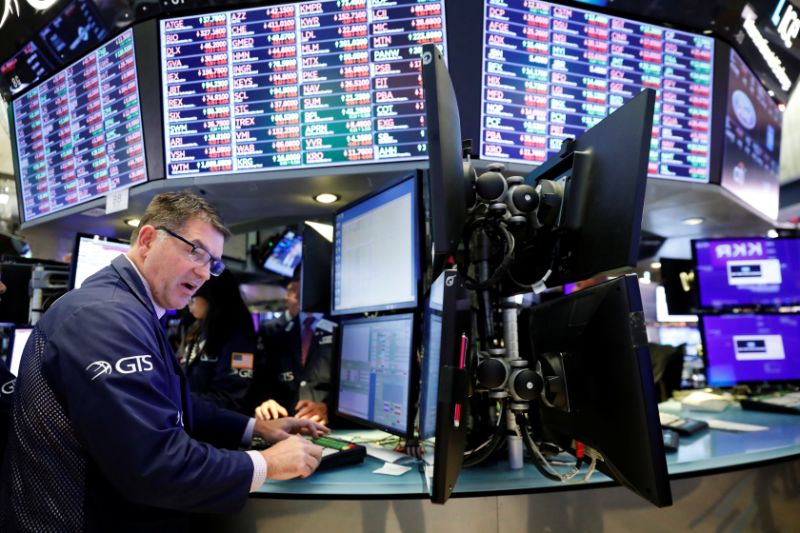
column 105, row 435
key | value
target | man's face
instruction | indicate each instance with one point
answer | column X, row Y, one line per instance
column 292, row 299
column 172, row 276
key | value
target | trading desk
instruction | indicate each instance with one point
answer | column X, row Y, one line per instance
column 720, row 480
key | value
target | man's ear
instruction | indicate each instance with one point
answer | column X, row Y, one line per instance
column 146, row 237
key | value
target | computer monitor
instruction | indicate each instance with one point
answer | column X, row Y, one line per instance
column 662, row 309
column 286, row 254
column 91, row 253
column 678, row 279
column 17, row 346
column 450, row 189
column 592, row 346
column 376, row 255
column 747, row 271
column 377, row 372
column 596, row 228
column 315, row 275
column 443, row 392
column 751, row 348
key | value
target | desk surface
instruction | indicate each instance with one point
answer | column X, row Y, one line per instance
column 708, row 451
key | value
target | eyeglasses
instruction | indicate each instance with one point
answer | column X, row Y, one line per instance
column 198, row 254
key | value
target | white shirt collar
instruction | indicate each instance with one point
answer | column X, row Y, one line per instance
column 159, row 310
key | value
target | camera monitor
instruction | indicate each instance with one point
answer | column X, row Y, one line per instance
column 91, row 253
column 750, row 348
column 597, row 226
column 376, row 372
column 747, row 272
column 443, row 398
column 450, row 190
column 315, row 275
column 376, row 259
column 285, row 255
column 593, row 344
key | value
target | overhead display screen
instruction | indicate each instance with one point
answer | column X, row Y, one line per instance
column 551, row 72
column 295, row 85
column 79, row 133
column 75, row 30
column 27, row 67
column 752, row 140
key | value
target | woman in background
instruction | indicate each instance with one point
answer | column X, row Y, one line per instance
column 219, row 347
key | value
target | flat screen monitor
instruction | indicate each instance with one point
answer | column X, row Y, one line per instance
column 286, row 254
column 551, row 72
column 443, row 391
column 24, row 69
column 79, row 134
column 751, row 156
column 750, row 348
column 376, row 256
column 678, row 279
column 302, row 85
column 598, row 224
column 90, row 254
column 315, row 275
column 592, row 345
column 18, row 345
column 75, row 30
column 662, row 310
column 747, row 272
column 376, row 372
column 450, row 190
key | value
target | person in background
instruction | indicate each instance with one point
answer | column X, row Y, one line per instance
column 105, row 435
column 220, row 345
column 296, row 372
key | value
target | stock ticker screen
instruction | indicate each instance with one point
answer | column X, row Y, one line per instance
column 79, row 133
column 552, row 72
column 296, row 85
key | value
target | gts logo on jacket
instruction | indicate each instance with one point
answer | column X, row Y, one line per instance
column 126, row 365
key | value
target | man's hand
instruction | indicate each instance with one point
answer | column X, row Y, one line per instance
column 270, row 410
column 277, row 430
column 292, row 457
column 316, row 411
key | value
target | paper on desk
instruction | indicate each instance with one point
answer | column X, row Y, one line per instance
column 734, row 426
column 391, row 469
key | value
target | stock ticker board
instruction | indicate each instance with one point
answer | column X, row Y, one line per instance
column 296, row 85
column 552, row 72
column 79, row 133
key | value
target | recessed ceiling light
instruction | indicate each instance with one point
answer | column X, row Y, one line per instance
column 655, row 265
column 693, row 221
column 772, row 233
column 132, row 222
column 326, row 198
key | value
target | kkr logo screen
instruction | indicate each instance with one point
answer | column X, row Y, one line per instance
column 748, row 272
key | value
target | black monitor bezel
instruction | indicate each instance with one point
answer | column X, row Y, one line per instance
column 559, row 425
column 76, row 244
column 752, row 384
column 722, row 308
column 418, row 218
column 413, row 385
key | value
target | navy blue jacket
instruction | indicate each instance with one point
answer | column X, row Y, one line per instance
column 223, row 378
column 105, row 434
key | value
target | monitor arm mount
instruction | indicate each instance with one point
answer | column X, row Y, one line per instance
column 511, row 210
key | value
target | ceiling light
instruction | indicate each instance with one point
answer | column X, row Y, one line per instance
column 655, row 265
column 693, row 221
column 772, row 233
column 132, row 222
column 326, row 198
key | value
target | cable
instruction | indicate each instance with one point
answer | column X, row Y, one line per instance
column 484, row 450
column 543, row 465
column 508, row 257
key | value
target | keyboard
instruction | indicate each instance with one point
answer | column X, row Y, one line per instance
column 788, row 403
column 337, row 452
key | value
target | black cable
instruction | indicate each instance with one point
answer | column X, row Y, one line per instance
column 488, row 447
column 509, row 245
